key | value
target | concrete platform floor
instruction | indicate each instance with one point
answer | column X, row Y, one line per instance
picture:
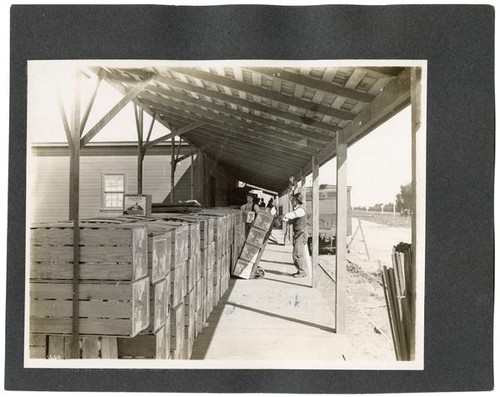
column 275, row 318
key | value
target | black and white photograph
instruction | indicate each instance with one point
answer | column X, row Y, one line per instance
column 222, row 214
column 249, row 198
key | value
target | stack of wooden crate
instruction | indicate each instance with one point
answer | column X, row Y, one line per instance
column 113, row 285
column 254, row 244
column 147, row 285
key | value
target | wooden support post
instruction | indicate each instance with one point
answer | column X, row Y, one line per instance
column 315, row 222
column 416, row 120
column 191, row 195
column 341, row 249
column 172, row 172
column 75, row 201
column 303, row 187
column 139, row 117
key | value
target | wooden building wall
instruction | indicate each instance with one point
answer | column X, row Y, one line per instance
column 49, row 183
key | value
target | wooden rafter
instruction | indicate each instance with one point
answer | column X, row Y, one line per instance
column 175, row 133
column 114, row 111
column 396, row 95
column 265, row 93
column 86, row 115
column 249, row 137
column 314, row 84
column 247, row 104
column 294, row 141
column 257, row 148
column 235, row 113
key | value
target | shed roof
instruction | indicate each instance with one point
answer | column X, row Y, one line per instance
column 266, row 123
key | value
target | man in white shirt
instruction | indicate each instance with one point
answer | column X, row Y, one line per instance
column 298, row 219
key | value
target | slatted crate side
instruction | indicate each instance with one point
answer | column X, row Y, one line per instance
column 43, row 271
column 243, row 268
column 38, row 346
column 104, row 309
column 177, row 285
column 107, row 245
column 190, row 324
column 161, row 255
column 90, row 347
column 139, row 347
column 191, row 274
column 249, row 252
column 263, row 220
column 160, row 304
column 177, row 325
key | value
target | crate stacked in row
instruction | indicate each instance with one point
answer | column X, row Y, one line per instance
column 397, row 282
column 254, row 244
column 113, row 285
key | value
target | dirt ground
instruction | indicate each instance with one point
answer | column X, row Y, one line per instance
column 367, row 320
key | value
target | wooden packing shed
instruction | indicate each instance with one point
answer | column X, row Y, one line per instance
column 265, row 124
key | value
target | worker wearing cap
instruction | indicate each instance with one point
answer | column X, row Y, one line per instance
column 250, row 209
column 299, row 221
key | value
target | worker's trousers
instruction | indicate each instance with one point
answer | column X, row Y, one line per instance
column 300, row 254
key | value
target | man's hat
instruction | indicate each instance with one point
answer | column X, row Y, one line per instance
column 298, row 197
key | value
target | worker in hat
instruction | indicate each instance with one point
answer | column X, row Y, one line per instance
column 298, row 219
column 250, row 209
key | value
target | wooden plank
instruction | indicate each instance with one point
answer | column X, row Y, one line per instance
column 264, row 93
column 160, row 304
column 88, row 236
column 75, row 210
column 93, row 309
column 64, row 271
column 90, row 104
column 114, row 291
column 396, row 96
column 37, row 340
column 38, row 352
column 417, row 135
column 139, row 346
column 262, row 134
column 320, row 85
column 265, row 121
column 136, row 90
column 87, row 326
column 341, row 242
column 109, row 347
column 161, row 340
column 161, row 258
column 244, row 103
column 56, row 347
column 184, row 129
column 90, row 347
column 96, row 254
column 315, row 223
column 140, row 306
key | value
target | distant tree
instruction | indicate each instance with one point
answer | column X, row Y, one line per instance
column 405, row 200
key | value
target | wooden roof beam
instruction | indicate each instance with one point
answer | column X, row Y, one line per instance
column 247, row 104
column 174, row 133
column 395, row 96
column 256, row 147
column 314, row 84
column 217, row 119
column 115, row 110
column 238, row 113
column 264, row 93
column 249, row 139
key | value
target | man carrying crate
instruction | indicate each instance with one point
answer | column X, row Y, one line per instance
column 298, row 219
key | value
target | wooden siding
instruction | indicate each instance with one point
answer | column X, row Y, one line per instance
column 49, row 183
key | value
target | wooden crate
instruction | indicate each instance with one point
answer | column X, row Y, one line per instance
column 161, row 254
column 243, row 268
column 177, row 329
column 256, row 236
column 38, row 346
column 180, row 238
column 249, row 252
column 117, row 308
column 177, row 278
column 151, row 346
column 107, row 251
column 90, row 347
column 263, row 220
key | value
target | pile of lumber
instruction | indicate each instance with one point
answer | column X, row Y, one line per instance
column 147, row 285
column 397, row 282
